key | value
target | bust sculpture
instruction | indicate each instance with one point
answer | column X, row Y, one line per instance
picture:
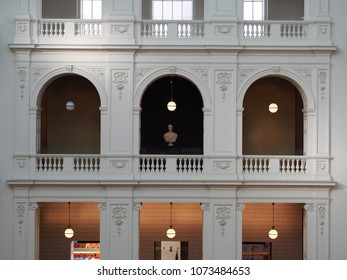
column 170, row 137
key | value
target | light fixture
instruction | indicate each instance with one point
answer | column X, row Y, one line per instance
column 171, row 105
column 170, row 233
column 273, row 233
column 273, row 108
column 70, row 105
column 69, row 231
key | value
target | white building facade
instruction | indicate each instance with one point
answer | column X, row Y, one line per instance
column 293, row 58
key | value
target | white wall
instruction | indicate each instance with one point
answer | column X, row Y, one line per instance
column 7, row 70
column 339, row 132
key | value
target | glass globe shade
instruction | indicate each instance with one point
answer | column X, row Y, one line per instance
column 273, row 108
column 171, row 106
column 273, row 234
column 70, row 105
column 69, row 232
column 171, row 233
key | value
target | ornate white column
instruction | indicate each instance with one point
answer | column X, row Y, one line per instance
column 207, row 232
column 136, row 230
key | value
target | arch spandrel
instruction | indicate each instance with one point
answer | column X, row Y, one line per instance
column 302, row 86
column 54, row 74
column 152, row 76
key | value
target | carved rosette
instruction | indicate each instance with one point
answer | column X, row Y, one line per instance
column 224, row 80
column 119, row 215
column 223, row 216
column 322, row 219
column 120, row 79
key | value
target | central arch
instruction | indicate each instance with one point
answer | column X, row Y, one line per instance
column 187, row 119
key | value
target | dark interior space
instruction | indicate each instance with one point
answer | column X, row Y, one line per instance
column 187, row 119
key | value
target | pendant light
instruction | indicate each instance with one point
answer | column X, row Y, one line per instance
column 171, row 105
column 273, row 233
column 170, row 233
column 69, row 231
column 70, row 105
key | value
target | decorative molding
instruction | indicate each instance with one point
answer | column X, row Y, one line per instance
column 120, row 78
column 203, row 74
column 22, row 74
column 322, row 219
column 119, row 215
column 322, row 80
column 309, row 207
column 32, row 206
column 140, row 73
column 224, row 30
column 20, row 217
column 38, row 72
column 305, row 74
column 102, row 206
column 205, row 206
column 119, row 164
column 223, row 165
column 120, row 29
column 240, row 207
column 223, row 215
column 99, row 73
column 224, row 79
column 322, row 166
column 244, row 73
column 137, row 206
column 323, row 31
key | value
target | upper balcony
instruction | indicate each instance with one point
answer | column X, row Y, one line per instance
column 73, row 33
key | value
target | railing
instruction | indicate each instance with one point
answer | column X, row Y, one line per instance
column 276, row 29
column 76, row 31
column 172, row 167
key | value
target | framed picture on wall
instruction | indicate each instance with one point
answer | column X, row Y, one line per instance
column 256, row 250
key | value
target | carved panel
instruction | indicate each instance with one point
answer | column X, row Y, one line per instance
column 20, row 211
column 224, row 80
column 322, row 80
column 223, row 216
column 322, row 219
column 120, row 79
column 119, row 215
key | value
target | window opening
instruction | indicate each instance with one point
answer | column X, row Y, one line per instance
column 91, row 9
column 254, row 9
column 172, row 9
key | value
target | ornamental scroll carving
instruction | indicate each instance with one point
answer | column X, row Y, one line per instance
column 120, row 79
column 119, row 215
column 223, row 215
column 224, row 80
column 22, row 74
column 20, row 218
column 322, row 219
column 322, row 79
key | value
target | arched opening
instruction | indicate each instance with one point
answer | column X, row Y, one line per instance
column 74, row 131
column 267, row 131
column 187, row 119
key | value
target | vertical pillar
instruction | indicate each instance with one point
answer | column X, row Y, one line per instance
column 33, row 231
column 223, row 231
column 136, row 230
column 207, row 232
column 239, row 211
column 120, row 235
column 310, row 233
column 104, row 232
